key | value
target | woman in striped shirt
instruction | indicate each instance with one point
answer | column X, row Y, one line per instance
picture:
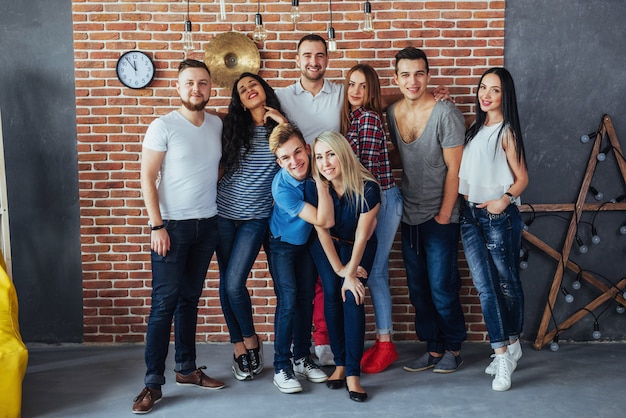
column 244, row 203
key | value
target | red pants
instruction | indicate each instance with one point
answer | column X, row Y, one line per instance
column 320, row 333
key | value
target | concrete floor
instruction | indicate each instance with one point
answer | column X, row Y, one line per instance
column 580, row 380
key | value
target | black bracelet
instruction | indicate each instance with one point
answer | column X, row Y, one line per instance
column 157, row 227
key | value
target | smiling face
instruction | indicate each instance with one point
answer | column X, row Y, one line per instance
column 412, row 77
column 357, row 89
column 251, row 93
column 327, row 161
column 490, row 93
column 194, row 88
column 312, row 60
column 293, row 156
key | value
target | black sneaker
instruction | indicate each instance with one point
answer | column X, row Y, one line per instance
column 241, row 367
column 256, row 357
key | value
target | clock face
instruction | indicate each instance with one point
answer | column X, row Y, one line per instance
column 135, row 69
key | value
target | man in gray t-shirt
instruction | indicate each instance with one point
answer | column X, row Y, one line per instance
column 429, row 137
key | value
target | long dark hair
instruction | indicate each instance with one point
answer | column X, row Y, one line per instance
column 239, row 126
column 509, row 112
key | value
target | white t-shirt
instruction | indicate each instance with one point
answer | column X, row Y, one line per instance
column 187, row 184
column 313, row 114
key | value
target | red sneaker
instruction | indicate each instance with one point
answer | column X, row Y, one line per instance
column 367, row 355
column 384, row 356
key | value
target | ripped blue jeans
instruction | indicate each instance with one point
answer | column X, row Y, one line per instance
column 492, row 245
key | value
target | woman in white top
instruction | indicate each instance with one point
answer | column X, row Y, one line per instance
column 493, row 175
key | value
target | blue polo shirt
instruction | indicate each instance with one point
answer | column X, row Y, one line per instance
column 285, row 223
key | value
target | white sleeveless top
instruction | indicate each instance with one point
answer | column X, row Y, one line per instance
column 485, row 173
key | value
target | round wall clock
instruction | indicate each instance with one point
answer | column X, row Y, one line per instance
column 135, row 69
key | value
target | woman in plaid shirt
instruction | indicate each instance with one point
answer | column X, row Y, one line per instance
column 363, row 127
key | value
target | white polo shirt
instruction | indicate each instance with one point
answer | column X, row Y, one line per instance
column 313, row 114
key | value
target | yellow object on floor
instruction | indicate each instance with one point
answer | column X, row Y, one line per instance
column 13, row 353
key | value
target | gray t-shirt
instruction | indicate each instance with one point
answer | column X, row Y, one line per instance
column 424, row 169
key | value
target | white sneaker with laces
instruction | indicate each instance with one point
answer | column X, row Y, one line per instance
column 304, row 367
column 325, row 356
column 287, row 382
column 515, row 350
column 506, row 365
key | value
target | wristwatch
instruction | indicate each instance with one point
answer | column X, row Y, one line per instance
column 511, row 198
column 155, row 227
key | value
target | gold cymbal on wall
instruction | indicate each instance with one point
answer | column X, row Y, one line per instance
column 229, row 55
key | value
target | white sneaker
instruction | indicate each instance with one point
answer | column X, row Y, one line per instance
column 324, row 355
column 287, row 382
column 304, row 367
column 515, row 350
column 506, row 365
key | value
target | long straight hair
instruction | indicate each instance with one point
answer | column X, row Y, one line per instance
column 511, row 122
column 372, row 100
column 239, row 126
column 353, row 173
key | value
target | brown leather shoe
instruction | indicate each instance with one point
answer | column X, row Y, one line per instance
column 198, row 378
column 144, row 402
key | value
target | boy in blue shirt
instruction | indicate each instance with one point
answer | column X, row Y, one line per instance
column 290, row 262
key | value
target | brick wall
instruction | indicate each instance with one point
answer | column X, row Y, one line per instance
column 461, row 38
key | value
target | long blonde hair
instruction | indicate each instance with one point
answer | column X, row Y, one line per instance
column 353, row 173
column 372, row 99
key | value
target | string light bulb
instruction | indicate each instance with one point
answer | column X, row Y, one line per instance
column 295, row 11
column 368, row 26
column 187, row 36
column 596, row 331
column 569, row 298
column 332, row 43
column 554, row 345
column 260, row 34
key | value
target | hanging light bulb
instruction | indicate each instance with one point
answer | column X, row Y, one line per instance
column 367, row 18
column 554, row 345
column 260, row 34
column 295, row 11
column 582, row 248
column 187, row 36
column 332, row 43
column 222, row 15
column 569, row 298
column 620, row 309
column 596, row 331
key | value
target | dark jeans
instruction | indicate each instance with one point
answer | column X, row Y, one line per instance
column 430, row 253
column 492, row 245
column 177, row 282
column 294, row 276
column 237, row 249
column 345, row 320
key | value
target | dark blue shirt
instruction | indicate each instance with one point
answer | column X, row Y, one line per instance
column 346, row 214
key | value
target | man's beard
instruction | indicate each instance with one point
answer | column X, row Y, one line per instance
column 195, row 108
column 318, row 76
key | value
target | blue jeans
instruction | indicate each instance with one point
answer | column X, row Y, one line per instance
column 294, row 276
column 177, row 282
column 492, row 247
column 388, row 220
column 430, row 256
column 238, row 246
column 345, row 320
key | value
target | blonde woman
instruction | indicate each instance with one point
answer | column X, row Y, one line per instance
column 344, row 253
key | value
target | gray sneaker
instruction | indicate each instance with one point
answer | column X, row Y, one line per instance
column 425, row 362
column 448, row 363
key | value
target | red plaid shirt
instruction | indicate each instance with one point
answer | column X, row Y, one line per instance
column 367, row 138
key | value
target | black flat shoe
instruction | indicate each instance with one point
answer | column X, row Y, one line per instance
column 357, row 396
column 335, row 383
